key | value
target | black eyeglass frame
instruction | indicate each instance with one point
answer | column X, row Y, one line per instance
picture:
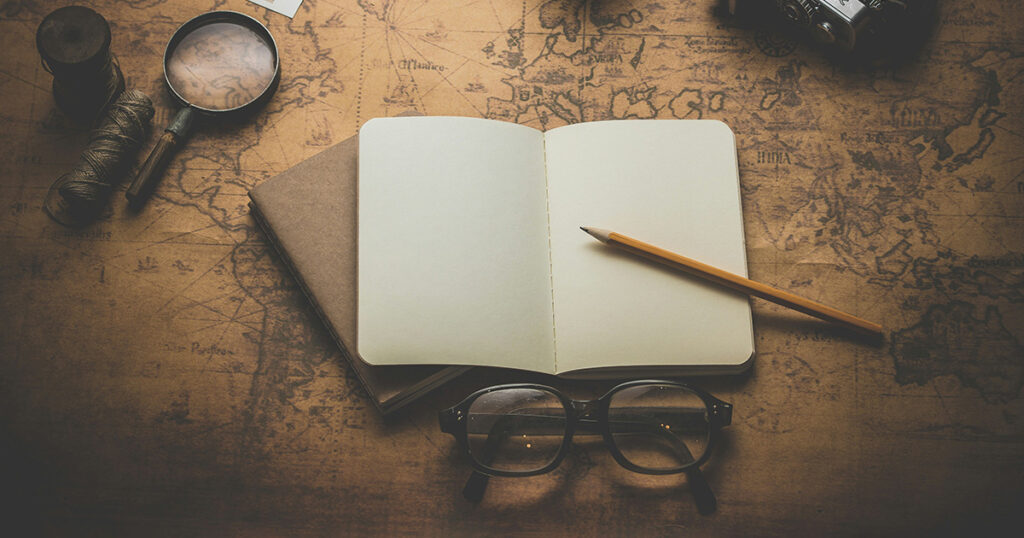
column 453, row 421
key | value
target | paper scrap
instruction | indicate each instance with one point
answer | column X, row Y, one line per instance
column 284, row 7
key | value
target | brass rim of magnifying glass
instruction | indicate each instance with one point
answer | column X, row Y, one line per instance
column 223, row 16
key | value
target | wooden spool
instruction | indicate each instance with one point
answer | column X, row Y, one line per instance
column 74, row 43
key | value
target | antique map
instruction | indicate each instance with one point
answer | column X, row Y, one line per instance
column 163, row 370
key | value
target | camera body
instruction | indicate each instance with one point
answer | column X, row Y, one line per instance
column 843, row 23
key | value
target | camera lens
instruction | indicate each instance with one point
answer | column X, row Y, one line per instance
column 798, row 11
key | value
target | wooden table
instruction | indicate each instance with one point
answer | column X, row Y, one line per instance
column 161, row 373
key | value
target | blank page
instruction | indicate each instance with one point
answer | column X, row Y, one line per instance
column 673, row 184
column 454, row 264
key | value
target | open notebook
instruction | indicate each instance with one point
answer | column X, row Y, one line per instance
column 470, row 250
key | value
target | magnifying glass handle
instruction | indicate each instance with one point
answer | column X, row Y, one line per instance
column 153, row 168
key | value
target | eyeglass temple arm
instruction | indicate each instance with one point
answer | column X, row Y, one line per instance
column 477, row 483
column 703, row 497
column 475, row 487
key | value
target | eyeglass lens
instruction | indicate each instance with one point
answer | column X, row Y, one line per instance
column 520, row 429
column 659, row 427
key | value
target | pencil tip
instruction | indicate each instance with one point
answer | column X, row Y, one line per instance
column 598, row 233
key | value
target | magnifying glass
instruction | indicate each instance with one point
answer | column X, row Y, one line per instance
column 220, row 64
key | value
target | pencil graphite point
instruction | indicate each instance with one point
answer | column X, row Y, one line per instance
column 598, row 233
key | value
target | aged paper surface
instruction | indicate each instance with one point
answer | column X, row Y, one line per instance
column 163, row 370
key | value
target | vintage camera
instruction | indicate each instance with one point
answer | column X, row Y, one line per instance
column 843, row 23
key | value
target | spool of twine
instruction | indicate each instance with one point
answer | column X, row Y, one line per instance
column 74, row 43
column 78, row 197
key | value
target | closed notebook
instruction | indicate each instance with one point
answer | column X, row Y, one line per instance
column 309, row 214
column 470, row 251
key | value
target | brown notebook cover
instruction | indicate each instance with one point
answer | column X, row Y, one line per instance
column 309, row 215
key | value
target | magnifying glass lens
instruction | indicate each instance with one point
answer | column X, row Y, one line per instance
column 221, row 66
column 218, row 64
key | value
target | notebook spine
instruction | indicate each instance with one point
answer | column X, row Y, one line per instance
column 551, row 261
column 276, row 245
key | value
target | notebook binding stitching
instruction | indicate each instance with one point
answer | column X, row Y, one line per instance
column 551, row 265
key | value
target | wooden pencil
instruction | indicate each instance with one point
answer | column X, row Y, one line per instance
column 734, row 281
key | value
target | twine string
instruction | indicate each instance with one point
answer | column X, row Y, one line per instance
column 84, row 190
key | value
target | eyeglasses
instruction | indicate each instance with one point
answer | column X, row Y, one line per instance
column 651, row 427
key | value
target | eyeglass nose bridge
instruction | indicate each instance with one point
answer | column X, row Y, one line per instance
column 584, row 408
